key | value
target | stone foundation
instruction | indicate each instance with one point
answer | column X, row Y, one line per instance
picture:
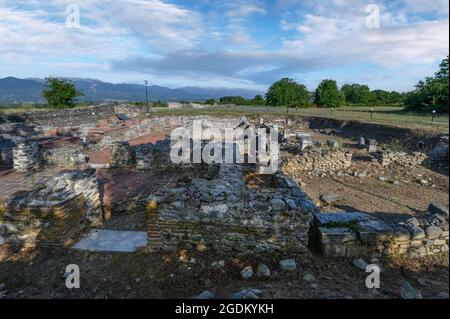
column 6, row 154
column 73, row 154
column 26, row 156
column 318, row 160
column 54, row 213
column 438, row 157
column 122, row 155
column 153, row 156
column 359, row 235
column 410, row 160
column 221, row 214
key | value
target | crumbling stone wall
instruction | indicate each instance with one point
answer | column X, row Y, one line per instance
column 54, row 213
column 153, row 156
column 26, row 156
column 317, row 160
column 438, row 157
column 221, row 214
column 122, row 155
column 66, row 155
column 414, row 159
column 357, row 235
column 6, row 153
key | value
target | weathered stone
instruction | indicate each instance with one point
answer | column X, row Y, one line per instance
column 442, row 295
column 329, row 198
column 416, row 233
column 407, row 291
column 361, row 142
column 333, row 144
column 433, row 232
column 401, row 234
column 288, row 265
column 2, row 240
column 218, row 264
column 277, row 204
column 263, row 271
column 247, row 294
column 360, row 264
column 205, row 295
column 309, row 278
column 247, row 272
column 438, row 208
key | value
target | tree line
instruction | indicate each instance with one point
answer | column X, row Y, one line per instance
column 429, row 94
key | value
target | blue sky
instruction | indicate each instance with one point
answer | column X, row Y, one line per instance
column 211, row 43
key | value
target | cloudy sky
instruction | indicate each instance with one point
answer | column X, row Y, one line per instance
column 245, row 43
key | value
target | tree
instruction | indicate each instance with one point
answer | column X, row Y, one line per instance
column 431, row 93
column 328, row 94
column 60, row 93
column 287, row 92
column 356, row 94
column 258, row 100
column 237, row 100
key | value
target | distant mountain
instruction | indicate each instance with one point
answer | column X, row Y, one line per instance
column 14, row 90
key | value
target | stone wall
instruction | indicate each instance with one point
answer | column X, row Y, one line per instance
column 359, row 235
column 153, row 156
column 6, row 153
column 65, row 155
column 438, row 157
column 54, row 213
column 414, row 159
column 222, row 215
column 26, row 156
column 122, row 155
column 66, row 117
column 321, row 160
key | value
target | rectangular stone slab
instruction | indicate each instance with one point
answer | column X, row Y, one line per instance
column 100, row 240
column 326, row 218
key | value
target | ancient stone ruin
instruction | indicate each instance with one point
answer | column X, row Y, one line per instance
column 67, row 172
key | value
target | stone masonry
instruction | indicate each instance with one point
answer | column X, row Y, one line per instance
column 223, row 215
column 358, row 235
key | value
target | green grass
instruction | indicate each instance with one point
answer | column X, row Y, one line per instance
column 395, row 116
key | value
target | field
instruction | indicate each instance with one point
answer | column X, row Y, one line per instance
column 395, row 116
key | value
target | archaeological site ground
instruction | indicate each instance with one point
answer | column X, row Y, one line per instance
column 95, row 187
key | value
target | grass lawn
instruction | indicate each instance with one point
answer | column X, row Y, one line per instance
column 395, row 116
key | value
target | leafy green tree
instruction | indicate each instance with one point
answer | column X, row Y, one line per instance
column 287, row 92
column 258, row 100
column 210, row 102
column 328, row 94
column 357, row 94
column 431, row 93
column 60, row 93
column 238, row 100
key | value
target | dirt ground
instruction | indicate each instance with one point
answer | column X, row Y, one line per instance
column 40, row 274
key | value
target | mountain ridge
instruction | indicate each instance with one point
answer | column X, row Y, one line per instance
column 14, row 90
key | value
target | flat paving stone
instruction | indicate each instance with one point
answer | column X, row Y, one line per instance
column 100, row 240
